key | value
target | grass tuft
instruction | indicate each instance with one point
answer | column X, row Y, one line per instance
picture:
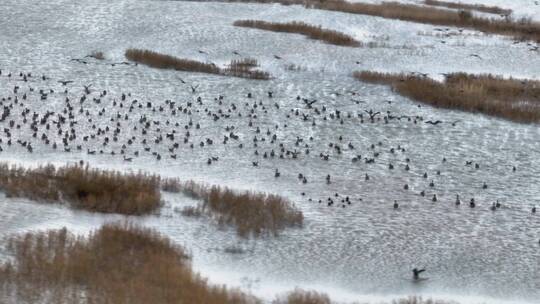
column 311, row 31
column 97, row 55
column 514, row 99
column 84, row 188
column 300, row 296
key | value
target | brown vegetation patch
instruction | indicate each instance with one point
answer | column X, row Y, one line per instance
column 162, row 61
column 251, row 213
column 97, row 55
column 311, row 31
column 119, row 263
column 473, row 7
column 299, row 296
column 521, row 29
column 513, row 99
column 84, row 188
column 244, row 68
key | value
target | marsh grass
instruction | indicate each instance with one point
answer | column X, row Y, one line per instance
column 84, row 188
column 162, row 61
column 244, row 68
column 519, row 29
column 118, row 263
column 251, row 213
column 311, row 31
column 514, row 99
column 471, row 7
column 300, row 296
column 121, row 263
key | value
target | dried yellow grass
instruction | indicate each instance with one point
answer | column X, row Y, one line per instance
column 300, row 296
column 520, row 29
column 472, row 7
column 118, row 263
column 162, row 61
column 311, row 31
column 251, row 213
column 121, row 263
column 514, row 99
column 84, row 188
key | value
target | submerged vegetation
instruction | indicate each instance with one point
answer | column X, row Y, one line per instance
column 520, row 29
column 513, row 99
column 251, row 213
column 311, row 31
column 84, row 188
column 162, row 61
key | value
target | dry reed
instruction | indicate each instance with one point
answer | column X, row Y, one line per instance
column 121, row 263
column 251, row 213
column 520, row 29
column 513, row 99
column 84, row 188
column 118, row 263
column 311, row 31
column 162, row 61
column 299, row 296
column 472, row 7
column 244, row 68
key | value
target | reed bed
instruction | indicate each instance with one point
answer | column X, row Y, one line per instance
column 244, row 68
column 118, row 263
column 84, row 188
column 311, row 31
column 471, row 7
column 162, row 61
column 251, row 213
column 514, row 99
column 519, row 29
column 300, row 296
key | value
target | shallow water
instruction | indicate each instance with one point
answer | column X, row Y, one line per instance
column 362, row 252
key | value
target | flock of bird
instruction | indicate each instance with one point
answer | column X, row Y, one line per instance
column 92, row 121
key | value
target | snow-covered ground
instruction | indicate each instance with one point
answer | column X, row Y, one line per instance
column 363, row 252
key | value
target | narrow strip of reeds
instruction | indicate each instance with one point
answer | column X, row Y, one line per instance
column 251, row 213
column 311, row 31
column 514, row 99
column 162, row 61
column 472, row 7
column 84, row 188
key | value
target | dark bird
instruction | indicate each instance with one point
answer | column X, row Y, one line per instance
column 65, row 82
